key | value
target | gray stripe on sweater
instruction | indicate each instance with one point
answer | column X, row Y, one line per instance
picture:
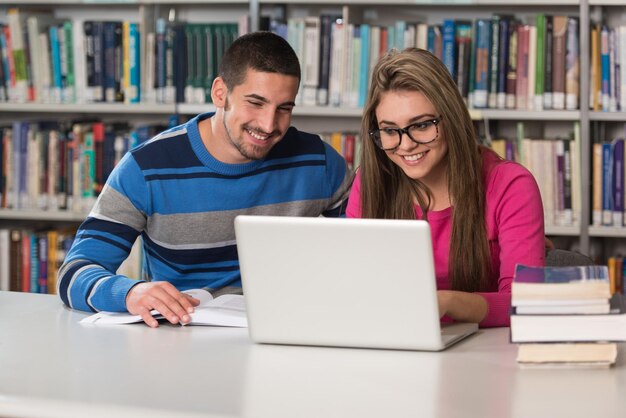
column 189, row 230
column 114, row 206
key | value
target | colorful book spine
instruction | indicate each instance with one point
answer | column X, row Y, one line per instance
column 463, row 45
column 448, row 45
column 511, row 72
column 572, row 67
column 481, row 83
column 607, row 188
column 503, row 59
column 69, row 90
column 618, row 182
column 364, row 66
column 494, row 57
column 605, row 68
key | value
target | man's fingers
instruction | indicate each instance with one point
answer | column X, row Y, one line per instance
column 148, row 318
column 165, row 298
column 170, row 303
column 163, row 304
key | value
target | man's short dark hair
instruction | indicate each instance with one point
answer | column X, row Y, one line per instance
column 261, row 51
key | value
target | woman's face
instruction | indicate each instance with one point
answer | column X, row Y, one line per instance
column 401, row 109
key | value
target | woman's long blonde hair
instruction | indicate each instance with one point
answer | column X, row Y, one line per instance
column 388, row 193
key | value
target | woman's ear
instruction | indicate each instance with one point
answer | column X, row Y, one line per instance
column 219, row 92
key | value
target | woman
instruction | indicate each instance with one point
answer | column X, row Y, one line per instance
column 421, row 160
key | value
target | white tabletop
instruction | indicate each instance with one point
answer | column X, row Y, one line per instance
column 52, row 366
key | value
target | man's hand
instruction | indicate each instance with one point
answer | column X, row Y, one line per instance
column 165, row 298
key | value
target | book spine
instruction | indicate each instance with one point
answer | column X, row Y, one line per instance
column 355, row 69
column 547, row 69
column 448, row 46
column 4, row 259
column 135, row 64
column 15, row 260
column 618, row 182
column 539, row 61
column 502, row 62
column 622, row 72
column 493, row 62
column 70, row 84
column 326, row 22
column 607, row 190
column 200, row 62
column 310, row 76
column 481, row 84
column 45, row 71
column 335, row 81
column 18, row 54
column 90, row 61
column 42, row 261
column 364, row 65
column 55, row 55
column 521, row 88
column 572, row 65
column 612, row 73
column 5, row 80
column 605, row 68
column 511, row 72
column 569, row 183
column 463, row 44
column 532, row 67
column 25, row 261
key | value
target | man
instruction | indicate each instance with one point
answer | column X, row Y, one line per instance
column 182, row 189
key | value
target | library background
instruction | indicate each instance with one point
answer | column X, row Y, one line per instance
column 82, row 81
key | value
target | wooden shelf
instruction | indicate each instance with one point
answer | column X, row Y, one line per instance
column 92, row 108
column 41, row 215
column 607, row 231
column 569, row 231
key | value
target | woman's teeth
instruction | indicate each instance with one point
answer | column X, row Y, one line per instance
column 414, row 157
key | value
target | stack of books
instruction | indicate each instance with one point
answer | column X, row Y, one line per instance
column 566, row 316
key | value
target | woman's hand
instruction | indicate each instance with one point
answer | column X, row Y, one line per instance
column 462, row 306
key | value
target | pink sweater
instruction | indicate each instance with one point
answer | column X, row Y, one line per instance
column 515, row 231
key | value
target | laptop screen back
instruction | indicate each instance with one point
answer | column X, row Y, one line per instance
column 339, row 282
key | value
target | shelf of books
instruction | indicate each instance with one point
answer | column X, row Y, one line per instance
column 607, row 129
column 512, row 62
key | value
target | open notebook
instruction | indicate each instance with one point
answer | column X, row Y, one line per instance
column 341, row 282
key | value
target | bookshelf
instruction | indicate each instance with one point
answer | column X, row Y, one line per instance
column 347, row 118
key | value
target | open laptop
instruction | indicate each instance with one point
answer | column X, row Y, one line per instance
column 342, row 282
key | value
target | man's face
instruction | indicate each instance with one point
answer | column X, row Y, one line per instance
column 256, row 115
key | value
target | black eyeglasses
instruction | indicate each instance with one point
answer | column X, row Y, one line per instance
column 423, row 132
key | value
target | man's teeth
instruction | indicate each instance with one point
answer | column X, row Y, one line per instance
column 257, row 136
column 414, row 157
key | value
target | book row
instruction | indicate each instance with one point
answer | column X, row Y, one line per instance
column 48, row 60
column 608, row 68
column 56, row 166
column 29, row 260
column 607, row 185
column 500, row 62
column 554, row 164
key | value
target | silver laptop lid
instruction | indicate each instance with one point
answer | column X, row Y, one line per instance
column 339, row 282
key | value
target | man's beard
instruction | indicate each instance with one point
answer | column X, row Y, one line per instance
column 248, row 151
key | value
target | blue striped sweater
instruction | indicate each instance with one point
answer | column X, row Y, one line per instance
column 182, row 202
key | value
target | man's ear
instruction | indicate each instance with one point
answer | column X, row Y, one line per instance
column 219, row 92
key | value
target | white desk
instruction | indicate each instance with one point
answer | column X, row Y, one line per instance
column 52, row 366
